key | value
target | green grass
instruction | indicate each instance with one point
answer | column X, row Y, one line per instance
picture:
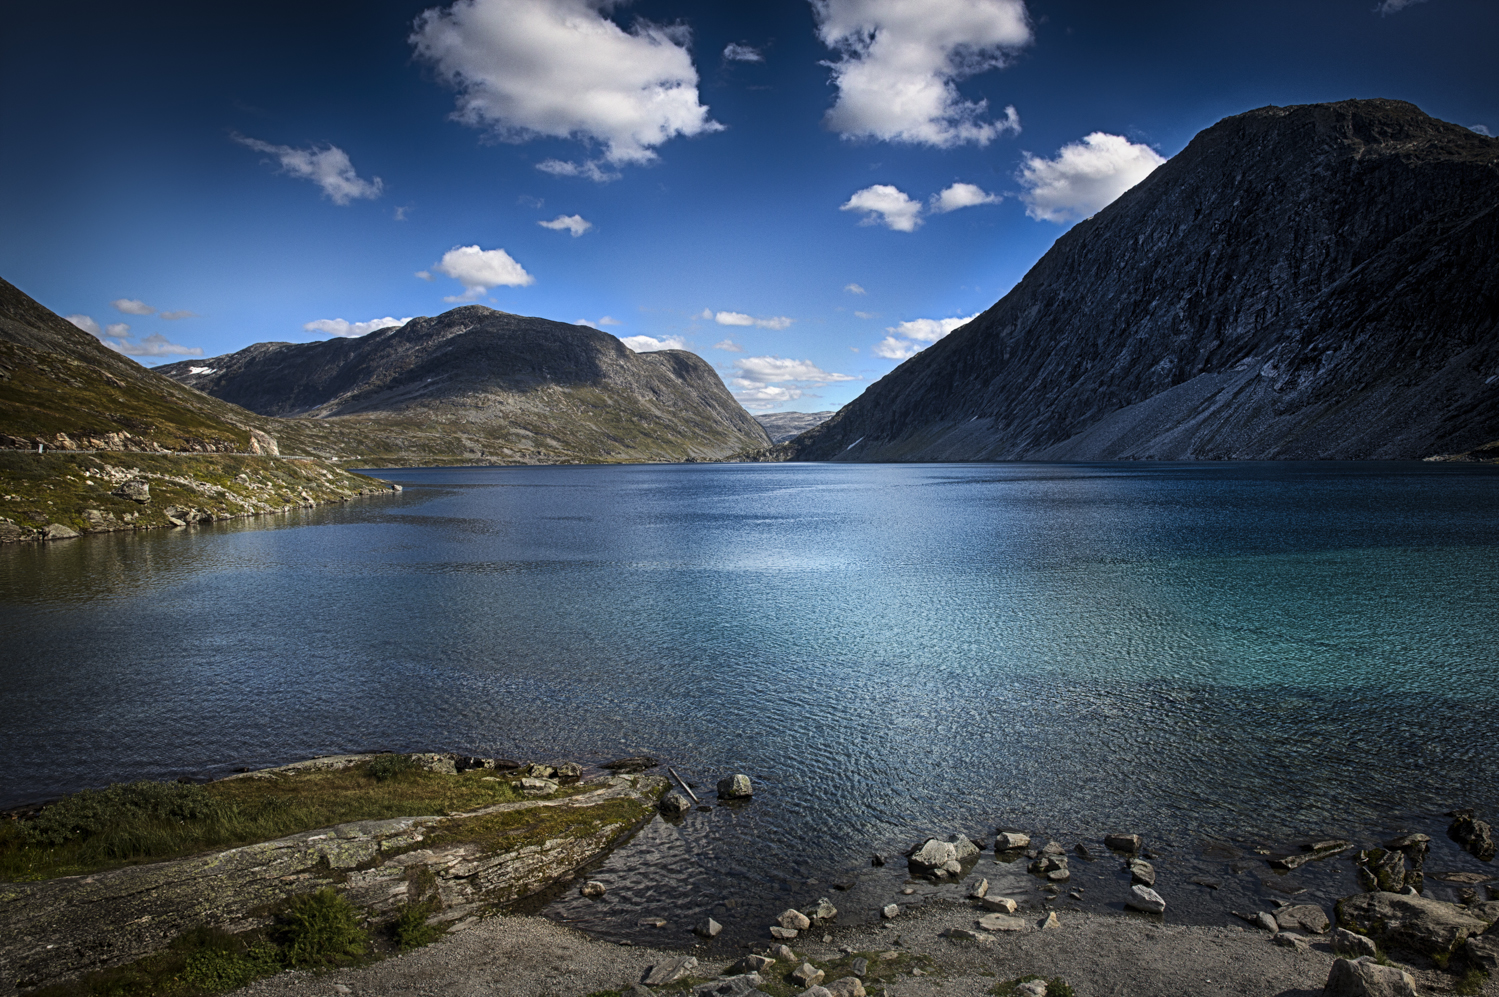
column 147, row 822
column 410, row 928
column 1471, row 983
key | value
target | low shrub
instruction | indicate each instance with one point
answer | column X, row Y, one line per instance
column 320, row 929
column 94, row 812
column 410, row 928
column 388, row 767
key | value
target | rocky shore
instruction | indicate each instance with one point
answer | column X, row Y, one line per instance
column 60, row 496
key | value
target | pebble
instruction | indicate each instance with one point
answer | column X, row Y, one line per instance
column 889, row 911
column 708, row 928
column 593, row 888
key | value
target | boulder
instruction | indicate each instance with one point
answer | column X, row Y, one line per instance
column 1394, row 920
column 1267, row 921
column 784, row 954
column 537, row 770
column 1476, row 836
column 57, row 531
column 1140, row 871
column 931, row 855
column 136, row 490
column 979, row 891
column 1145, row 899
column 570, row 771
column 1483, row 952
column 436, row 761
column 674, row 804
column 1366, row 978
column 1009, row 841
column 823, row 910
column 1129, row 843
column 730, row 986
column 753, row 964
column 860, row 967
column 708, row 928
column 1303, row 917
column 1043, row 864
column 794, row 919
column 1002, row 904
column 1053, row 848
column 783, row 934
column 1346, row 941
column 1059, row 875
column 807, row 975
column 1083, row 852
column 664, row 973
column 848, row 986
column 1002, row 922
column 817, row 991
column 538, row 787
column 1031, row 988
column 1487, row 911
column 593, row 888
column 1381, row 869
column 1290, row 940
column 735, row 787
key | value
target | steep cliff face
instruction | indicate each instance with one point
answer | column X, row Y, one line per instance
column 1319, row 281
column 496, row 385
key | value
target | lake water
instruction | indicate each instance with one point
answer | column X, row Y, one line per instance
column 1219, row 656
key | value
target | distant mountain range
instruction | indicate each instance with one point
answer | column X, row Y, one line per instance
column 782, row 426
column 484, row 385
column 1318, row 281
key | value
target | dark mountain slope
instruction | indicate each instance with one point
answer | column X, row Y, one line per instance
column 495, row 385
column 1319, row 281
column 57, row 379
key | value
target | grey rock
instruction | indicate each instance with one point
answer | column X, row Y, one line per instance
column 730, row 986
column 783, row 934
column 1002, row 904
column 1360, row 348
column 783, row 426
column 1429, row 927
column 1002, row 922
column 847, row 986
column 1352, row 944
column 1129, row 843
column 674, row 804
column 807, row 975
column 1143, row 898
column 668, row 972
column 1290, row 940
column 136, row 490
column 817, row 991
column 889, row 910
column 860, row 967
column 1031, row 988
column 1382, row 869
column 794, row 919
column 932, row 854
column 538, row 786
column 735, row 787
column 784, row 954
column 1054, row 848
column 569, row 771
column 1483, row 952
column 823, row 910
column 753, row 964
column 1476, row 836
column 967, row 935
column 593, row 888
column 1009, row 841
column 980, row 890
column 1050, row 921
column 1061, row 875
column 1366, row 978
column 57, row 531
column 707, row 928
column 1267, row 921
column 1303, row 917
column 1141, row 871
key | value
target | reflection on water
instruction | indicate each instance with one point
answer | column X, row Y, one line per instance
column 1198, row 652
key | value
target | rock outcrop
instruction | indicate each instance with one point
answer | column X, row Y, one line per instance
column 1315, row 281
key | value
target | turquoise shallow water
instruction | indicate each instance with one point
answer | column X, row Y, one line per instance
column 1200, row 652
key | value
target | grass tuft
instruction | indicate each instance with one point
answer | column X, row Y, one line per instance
column 388, row 767
column 410, row 928
column 320, row 929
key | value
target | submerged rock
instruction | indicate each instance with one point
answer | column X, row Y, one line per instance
column 1128, row 843
column 674, row 804
column 1009, row 841
column 735, row 787
column 1476, row 836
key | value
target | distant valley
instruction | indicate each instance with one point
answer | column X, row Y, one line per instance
column 782, row 426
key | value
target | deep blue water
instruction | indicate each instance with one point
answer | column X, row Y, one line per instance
column 1266, row 652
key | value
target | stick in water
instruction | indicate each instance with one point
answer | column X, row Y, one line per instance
column 684, row 784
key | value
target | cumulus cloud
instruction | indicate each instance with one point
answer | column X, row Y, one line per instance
column 728, row 346
column 909, row 338
column 740, row 318
column 885, row 204
column 131, row 306
column 1480, row 129
column 353, row 330
column 174, row 316
column 649, row 344
column 607, row 320
column 154, row 345
column 329, row 167
column 962, row 195
column 87, row 324
column 478, row 270
column 561, row 68
column 589, row 170
column 762, row 382
column 735, row 52
column 901, row 59
column 117, row 329
column 1084, row 177
column 854, row 289
column 570, row 223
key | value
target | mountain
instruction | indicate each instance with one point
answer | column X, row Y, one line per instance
column 479, row 384
column 782, row 426
column 1317, row 281
column 61, row 387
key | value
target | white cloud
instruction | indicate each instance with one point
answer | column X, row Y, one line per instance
column 735, row 52
column 607, row 320
column 739, row 318
column 1480, row 129
column 901, row 60
column 589, row 169
column 117, row 329
column 155, row 345
column 728, row 346
column 854, row 289
column 763, row 382
column 351, row 330
column 572, row 223
column 910, row 338
column 561, row 68
column 1084, row 177
column 130, row 306
column 174, row 316
column 1394, row 6
column 87, row 324
column 866, row 314
column 962, row 195
column 478, row 270
column 884, row 203
column 328, row 167
column 649, row 344
column 400, row 213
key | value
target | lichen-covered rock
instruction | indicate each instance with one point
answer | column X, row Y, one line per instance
column 807, row 975
column 735, row 787
column 794, row 919
column 1395, row 920
column 1366, row 978
column 674, row 804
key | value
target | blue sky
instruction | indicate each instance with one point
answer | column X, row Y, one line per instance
column 801, row 192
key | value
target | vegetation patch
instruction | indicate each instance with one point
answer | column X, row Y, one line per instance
column 320, row 929
column 1472, row 982
column 410, row 929
column 139, row 822
column 509, row 830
